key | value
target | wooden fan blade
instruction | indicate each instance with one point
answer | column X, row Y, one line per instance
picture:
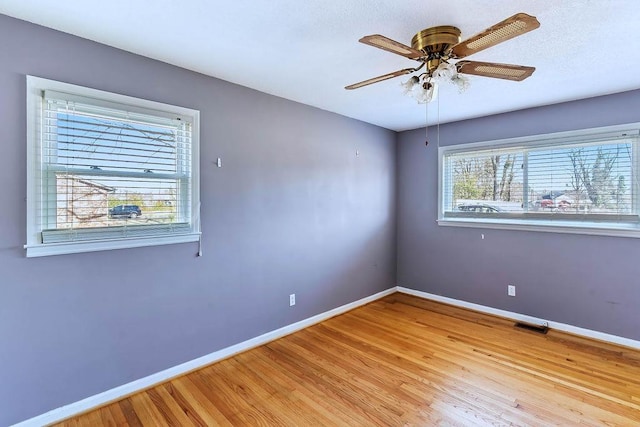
column 514, row 26
column 381, row 78
column 495, row 70
column 385, row 43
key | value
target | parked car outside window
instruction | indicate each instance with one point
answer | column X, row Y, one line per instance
column 478, row 208
column 125, row 211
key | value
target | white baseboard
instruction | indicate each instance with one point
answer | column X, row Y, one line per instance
column 588, row 333
column 100, row 399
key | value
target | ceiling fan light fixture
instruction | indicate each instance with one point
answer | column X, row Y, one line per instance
column 461, row 82
column 410, row 84
column 422, row 92
column 427, row 92
column 445, row 71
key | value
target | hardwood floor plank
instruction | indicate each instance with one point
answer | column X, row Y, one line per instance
column 225, row 399
column 286, row 397
column 170, row 408
column 148, row 413
column 179, row 405
column 331, row 386
column 351, row 366
column 405, row 361
column 204, row 408
column 116, row 414
column 128, row 411
column 315, row 394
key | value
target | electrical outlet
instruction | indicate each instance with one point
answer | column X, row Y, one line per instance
column 292, row 300
column 511, row 290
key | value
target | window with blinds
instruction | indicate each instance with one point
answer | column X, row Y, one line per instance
column 108, row 171
column 586, row 179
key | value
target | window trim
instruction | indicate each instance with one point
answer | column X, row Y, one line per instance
column 618, row 229
column 34, row 246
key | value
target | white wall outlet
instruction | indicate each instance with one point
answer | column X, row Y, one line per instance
column 511, row 290
column 482, row 236
column 219, row 162
column 292, row 300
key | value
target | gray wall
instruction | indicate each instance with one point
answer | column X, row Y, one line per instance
column 291, row 210
column 587, row 281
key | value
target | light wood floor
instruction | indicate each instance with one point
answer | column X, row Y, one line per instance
column 400, row 361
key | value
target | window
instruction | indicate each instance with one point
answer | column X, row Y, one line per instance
column 584, row 182
column 107, row 171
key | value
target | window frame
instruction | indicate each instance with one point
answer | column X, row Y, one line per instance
column 35, row 247
column 534, row 222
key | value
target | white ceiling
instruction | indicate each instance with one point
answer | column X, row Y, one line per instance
column 308, row 50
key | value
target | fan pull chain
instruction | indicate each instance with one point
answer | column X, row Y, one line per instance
column 438, row 137
column 426, row 123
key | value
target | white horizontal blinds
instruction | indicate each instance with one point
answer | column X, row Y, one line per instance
column 484, row 182
column 591, row 181
column 109, row 171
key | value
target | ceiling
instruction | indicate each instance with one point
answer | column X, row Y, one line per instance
column 307, row 51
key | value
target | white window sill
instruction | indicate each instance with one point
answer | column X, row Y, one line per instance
column 592, row 228
column 38, row 250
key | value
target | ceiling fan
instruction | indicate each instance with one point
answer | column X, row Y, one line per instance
column 434, row 47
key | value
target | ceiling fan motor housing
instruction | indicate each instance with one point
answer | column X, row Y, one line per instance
column 436, row 39
column 436, row 43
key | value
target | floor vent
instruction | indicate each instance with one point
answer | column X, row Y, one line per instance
column 542, row 329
